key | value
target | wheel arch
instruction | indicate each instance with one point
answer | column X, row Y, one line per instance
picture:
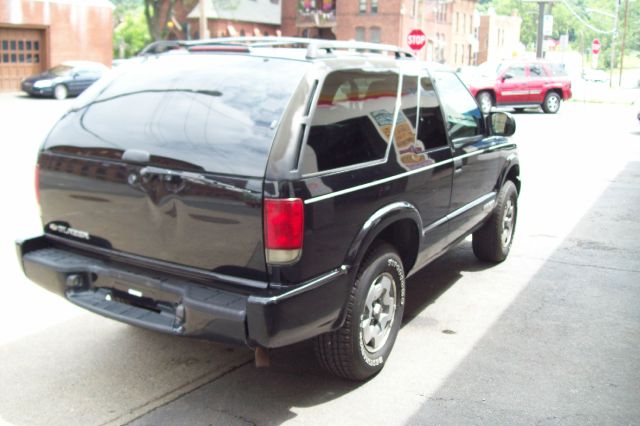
column 398, row 224
column 510, row 171
column 490, row 90
column 556, row 90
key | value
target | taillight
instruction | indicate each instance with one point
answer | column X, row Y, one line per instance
column 37, row 183
column 283, row 229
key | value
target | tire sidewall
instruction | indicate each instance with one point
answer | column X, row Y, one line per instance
column 368, row 364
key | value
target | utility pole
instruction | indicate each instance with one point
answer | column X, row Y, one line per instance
column 624, row 38
column 613, row 42
column 204, row 32
column 540, row 37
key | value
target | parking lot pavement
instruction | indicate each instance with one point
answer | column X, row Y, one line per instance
column 550, row 336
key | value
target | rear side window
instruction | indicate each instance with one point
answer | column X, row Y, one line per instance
column 464, row 119
column 558, row 70
column 352, row 121
column 419, row 110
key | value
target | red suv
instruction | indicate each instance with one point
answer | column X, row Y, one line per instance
column 522, row 84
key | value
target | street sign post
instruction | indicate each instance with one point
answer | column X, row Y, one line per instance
column 416, row 40
column 595, row 49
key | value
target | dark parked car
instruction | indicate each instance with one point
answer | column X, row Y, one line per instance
column 263, row 196
column 68, row 78
column 522, row 84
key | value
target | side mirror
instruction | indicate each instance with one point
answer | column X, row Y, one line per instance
column 502, row 124
column 506, row 76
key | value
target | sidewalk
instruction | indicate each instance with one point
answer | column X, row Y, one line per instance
column 602, row 93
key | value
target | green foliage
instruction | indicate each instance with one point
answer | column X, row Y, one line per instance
column 565, row 21
column 132, row 32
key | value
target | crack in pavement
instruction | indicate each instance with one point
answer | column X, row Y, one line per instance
column 167, row 398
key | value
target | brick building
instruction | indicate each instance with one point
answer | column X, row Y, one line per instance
column 239, row 18
column 499, row 37
column 451, row 26
column 37, row 34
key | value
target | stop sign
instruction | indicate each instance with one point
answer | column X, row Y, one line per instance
column 595, row 46
column 416, row 39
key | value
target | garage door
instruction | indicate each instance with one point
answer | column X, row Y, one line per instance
column 21, row 55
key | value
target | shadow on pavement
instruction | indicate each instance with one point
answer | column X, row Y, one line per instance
column 294, row 380
column 566, row 350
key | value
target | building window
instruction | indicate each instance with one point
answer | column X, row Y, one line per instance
column 360, row 34
column 374, row 34
column 363, row 7
column 374, row 7
column 457, row 21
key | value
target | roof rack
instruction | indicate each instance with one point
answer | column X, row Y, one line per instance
column 314, row 46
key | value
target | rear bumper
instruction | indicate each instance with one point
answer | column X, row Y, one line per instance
column 168, row 304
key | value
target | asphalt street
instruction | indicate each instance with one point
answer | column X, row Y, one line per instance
column 548, row 337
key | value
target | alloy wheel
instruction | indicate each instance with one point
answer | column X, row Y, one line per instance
column 508, row 222
column 379, row 310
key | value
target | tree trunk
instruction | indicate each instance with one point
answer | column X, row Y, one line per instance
column 157, row 18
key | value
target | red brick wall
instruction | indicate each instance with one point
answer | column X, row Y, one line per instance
column 388, row 19
column 220, row 28
column 72, row 31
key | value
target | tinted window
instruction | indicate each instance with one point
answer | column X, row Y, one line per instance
column 213, row 112
column 353, row 119
column 61, row 70
column 411, row 148
column 516, row 70
column 430, row 128
column 535, row 70
column 464, row 119
column 558, row 70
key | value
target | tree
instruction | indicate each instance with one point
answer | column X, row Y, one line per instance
column 131, row 34
column 158, row 13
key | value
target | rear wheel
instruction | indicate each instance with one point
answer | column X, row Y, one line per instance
column 551, row 103
column 60, row 92
column 359, row 349
column 493, row 241
column 485, row 100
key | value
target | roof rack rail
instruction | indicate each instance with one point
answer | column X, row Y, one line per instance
column 313, row 45
column 330, row 45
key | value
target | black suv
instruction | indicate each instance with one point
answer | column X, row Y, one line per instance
column 268, row 191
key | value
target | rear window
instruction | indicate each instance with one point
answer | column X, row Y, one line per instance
column 217, row 113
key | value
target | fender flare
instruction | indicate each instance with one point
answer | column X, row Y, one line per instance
column 510, row 163
column 376, row 223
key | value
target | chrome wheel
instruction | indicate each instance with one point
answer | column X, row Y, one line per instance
column 379, row 310
column 508, row 220
column 552, row 103
column 60, row 92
